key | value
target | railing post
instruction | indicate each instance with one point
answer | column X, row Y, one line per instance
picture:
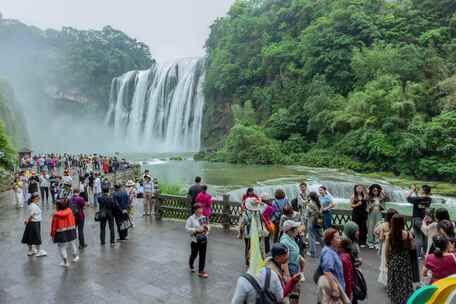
column 157, row 198
column 226, row 212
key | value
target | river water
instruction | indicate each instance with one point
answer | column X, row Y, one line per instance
column 234, row 179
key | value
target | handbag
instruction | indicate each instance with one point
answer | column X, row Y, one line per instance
column 317, row 274
column 201, row 238
column 100, row 215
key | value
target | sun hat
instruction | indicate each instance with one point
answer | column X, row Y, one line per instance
column 252, row 204
column 289, row 224
column 278, row 249
column 130, row 183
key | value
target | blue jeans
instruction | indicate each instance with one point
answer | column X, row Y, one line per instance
column 327, row 219
column 95, row 199
column 314, row 236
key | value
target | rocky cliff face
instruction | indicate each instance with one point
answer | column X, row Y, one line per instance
column 217, row 121
column 11, row 114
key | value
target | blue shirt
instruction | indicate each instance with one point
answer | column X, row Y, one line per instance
column 293, row 252
column 326, row 200
column 330, row 262
column 121, row 198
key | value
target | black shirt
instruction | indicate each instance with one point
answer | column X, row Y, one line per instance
column 193, row 191
column 419, row 205
column 33, row 184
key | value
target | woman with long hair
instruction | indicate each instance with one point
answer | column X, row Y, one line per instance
column 382, row 232
column 359, row 212
column 441, row 263
column 400, row 271
column 315, row 223
column 376, row 204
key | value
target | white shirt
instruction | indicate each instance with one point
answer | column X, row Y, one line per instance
column 34, row 211
column 245, row 292
column 67, row 179
column 97, row 186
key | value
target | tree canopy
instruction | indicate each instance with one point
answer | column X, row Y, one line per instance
column 361, row 84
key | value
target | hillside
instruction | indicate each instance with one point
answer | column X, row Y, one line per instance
column 368, row 85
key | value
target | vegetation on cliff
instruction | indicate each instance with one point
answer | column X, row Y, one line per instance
column 11, row 116
column 69, row 64
column 368, row 85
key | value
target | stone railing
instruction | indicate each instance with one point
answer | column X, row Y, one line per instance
column 226, row 212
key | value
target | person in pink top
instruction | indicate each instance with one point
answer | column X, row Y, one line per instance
column 442, row 263
column 205, row 200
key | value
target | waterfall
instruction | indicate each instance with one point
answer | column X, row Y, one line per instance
column 160, row 109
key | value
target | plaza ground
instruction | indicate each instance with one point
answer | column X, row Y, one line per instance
column 151, row 267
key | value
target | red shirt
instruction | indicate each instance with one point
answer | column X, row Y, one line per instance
column 349, row 279
column 440, row 267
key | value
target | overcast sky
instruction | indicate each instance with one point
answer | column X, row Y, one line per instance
column 171, row 28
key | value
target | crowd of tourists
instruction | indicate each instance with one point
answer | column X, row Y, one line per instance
column 286, row 231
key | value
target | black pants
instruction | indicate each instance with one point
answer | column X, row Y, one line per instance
column 198, row 249
column 53, row 193
column 123, row 234
column 110, row 221
column 80, row 224
column 361, row 220
column 44, row 192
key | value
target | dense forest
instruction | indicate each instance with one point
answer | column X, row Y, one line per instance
column 368, row 85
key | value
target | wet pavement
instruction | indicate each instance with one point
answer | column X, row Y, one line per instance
column 151, row 267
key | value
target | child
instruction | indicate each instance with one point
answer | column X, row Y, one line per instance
column 63, row 231
column 32, row 232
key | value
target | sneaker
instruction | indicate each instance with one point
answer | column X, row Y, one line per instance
column 310, row 254
column 66, row 265
column 203, row 275
column 362, row 246
column 76, row 259
column 192, row 269
column 31, row 252
column 41, row 253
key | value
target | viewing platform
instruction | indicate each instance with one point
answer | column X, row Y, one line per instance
column 151, row 267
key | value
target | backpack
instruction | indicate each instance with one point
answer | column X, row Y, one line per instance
column 263, row 295
column 74, row 209
column 360, row 288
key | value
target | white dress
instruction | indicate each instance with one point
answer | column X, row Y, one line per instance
column 383, row 231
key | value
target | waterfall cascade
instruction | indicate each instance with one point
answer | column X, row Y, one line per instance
column 159, row 109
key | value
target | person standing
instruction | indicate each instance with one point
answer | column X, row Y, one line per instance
column 253, row 209
column 430, row 225
column 359, row 212
column 198, row 227
column 400, row 272
column 131, row 190
column 33, row 183
column 295, row 260
column 420, row 203
column 18, row 188
column 205, row 199
column 376, row 204
column 97, row 191
column 279, row 202
column 32, row 232
column 302, row 201
column 351, row 232
column 44, row 187
column 193, row 192
column 315, row 223
column 106, row 206
column 382, row 232
column 149, row 190
column 327, row 205
column 63, row 231
column 347, row 265
column 250, row 192
column 120, row 198
column 53, row 186
column 331, row 284
column 441, row 263
column 77, row 204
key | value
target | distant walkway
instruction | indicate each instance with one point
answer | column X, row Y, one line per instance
column 149, row 268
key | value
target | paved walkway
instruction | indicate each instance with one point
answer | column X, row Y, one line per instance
column 149, row 268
